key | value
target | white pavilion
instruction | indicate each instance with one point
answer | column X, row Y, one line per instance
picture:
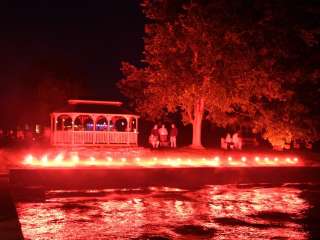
column 94, row 123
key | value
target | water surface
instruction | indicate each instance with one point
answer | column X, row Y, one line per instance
column 211, row 212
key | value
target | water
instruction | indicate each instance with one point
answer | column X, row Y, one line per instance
column 211, row 212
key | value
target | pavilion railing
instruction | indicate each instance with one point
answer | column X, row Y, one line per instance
column 94, row 138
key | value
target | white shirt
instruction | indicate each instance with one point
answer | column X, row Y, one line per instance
column 163, row 131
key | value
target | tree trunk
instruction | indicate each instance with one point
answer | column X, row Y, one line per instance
column 196, row 124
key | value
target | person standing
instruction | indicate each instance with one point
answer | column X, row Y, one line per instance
column 229, row 141
column 236, row 141
column 163, row 135
column 173, row 136
column 154, row 137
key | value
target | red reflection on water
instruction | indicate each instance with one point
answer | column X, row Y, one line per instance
column 234, row 212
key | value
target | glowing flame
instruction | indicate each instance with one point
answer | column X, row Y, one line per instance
column 214, row 162
column 28, row 159
column 268, row 161
column 44, row 160
column 92, row 161
column 292, row 161
column 60, row 160
column 75, row 159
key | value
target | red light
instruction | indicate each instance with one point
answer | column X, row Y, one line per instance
column 44, row 160
column 216, row 159
column 74, row 159
column 92, row 161
column 28, row 159
column 59, row 158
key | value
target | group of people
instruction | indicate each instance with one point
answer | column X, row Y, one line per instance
column 159, row 136
column 24, row 136
column 15, row 136
column 234, row 142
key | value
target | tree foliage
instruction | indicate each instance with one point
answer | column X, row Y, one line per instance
column 241, row 61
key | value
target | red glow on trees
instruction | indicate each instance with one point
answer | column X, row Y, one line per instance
column 207, row 57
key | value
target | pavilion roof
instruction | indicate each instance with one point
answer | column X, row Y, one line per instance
column 92, row 106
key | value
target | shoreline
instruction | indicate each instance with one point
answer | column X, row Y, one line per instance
column 13, row 157
column 10, row 227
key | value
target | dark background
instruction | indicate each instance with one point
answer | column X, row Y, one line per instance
column 81, row 41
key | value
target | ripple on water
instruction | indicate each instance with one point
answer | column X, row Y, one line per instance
column 78, row 206
column 195, row 230
column 151, row 237
column 276, row 216
column 222, row 212
column 237, row 222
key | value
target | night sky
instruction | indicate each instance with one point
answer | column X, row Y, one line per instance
column 85, row 40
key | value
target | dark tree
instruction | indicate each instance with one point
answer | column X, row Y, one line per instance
column 240, row 61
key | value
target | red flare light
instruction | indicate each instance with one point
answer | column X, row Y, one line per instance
column 28, row 160
column 44, row 160
column 75, row 160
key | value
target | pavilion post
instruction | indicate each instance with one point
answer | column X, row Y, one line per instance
column 137, row 130
column 130, row 126
column 72, row 125
column 108, row 132
column 51, row 128
column 94, row 118
column 137, row 124
column 128, row 129
column 55, row 122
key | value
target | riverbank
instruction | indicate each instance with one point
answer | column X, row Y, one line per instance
column 13, row 158
column 10, row 228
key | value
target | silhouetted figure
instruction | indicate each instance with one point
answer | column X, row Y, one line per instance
column 154, row 137
column 163, row 132
column 173, row 136
column 229, row 141
column 237, row 142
